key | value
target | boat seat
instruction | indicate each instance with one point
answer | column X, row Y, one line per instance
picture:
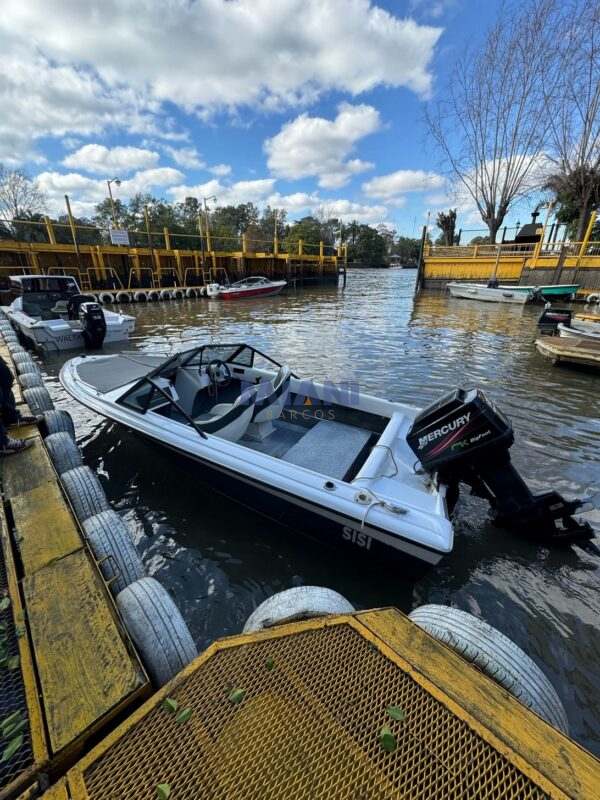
column 330, row 448
column 229, row 420
column 272, row 397
column 60, row 307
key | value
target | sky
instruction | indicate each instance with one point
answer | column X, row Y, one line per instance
column 314, row 106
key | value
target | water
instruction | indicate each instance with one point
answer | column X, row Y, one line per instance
column 219, row 560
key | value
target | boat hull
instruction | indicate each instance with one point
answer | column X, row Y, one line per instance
column 245, row 294
column 473, row 291
column 319, row 524
column 50, row 339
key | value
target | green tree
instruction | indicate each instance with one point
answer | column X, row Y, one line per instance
column 446, row 222
column 310, row 230
column 407, row 249
column 367, row 247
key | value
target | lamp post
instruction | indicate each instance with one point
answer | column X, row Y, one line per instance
column 117, row 182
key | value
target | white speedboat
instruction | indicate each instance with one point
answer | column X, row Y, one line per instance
column 323, row 459
column 500, row 294
column 52, row 314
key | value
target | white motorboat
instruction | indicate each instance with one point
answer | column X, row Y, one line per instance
column 52, row 314
column 327, row 460
column 579, row 330
column 499, row 294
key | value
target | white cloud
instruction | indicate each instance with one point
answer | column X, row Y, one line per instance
column 87, row 67
column 389, row 187
column 313, row 146
column 240, row 192
column 303, row 203
column 187, row 157
column 220, row 170
column 85, row 193
column 107, row 161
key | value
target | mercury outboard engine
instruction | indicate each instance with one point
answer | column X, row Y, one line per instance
column 465, row 438
column 551, row 317
column 93, row 324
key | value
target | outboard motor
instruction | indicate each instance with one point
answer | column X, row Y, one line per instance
column 93, row 324
column 551, row 317
column 465, row 438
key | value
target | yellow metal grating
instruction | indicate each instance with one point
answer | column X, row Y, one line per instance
column 307, row 727
column 12, row 690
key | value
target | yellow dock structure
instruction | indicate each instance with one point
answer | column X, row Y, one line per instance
column 76, row 667
column 193, row 263
column 525, row 264
column 365, row 705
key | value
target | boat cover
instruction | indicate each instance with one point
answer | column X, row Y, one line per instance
column 106, row 374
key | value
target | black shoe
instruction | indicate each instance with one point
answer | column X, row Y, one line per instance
column 27, row 419
column 13, row 446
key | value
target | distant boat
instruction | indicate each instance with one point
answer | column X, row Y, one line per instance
column 580, row 330
column 510, row 293
column 257, row 286
column 501, row 294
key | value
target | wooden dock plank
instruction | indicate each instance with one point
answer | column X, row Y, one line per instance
column 25, row 471
column 580, row 352
column 45, row 529
column 83, row 663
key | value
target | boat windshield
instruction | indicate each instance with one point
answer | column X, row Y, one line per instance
column 41, row 295
column 253, row 281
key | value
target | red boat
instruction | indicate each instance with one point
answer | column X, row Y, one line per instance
column 257, row 286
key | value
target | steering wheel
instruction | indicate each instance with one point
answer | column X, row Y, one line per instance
column 218, row 373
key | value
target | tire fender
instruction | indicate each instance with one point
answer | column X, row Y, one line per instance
column 157, row 629
column 300, row 602
column 85, row 492
column 113, row 548
column 56, row 421
column 38, row 399
column 63, row 451
column 496, row 656
column 30, row 379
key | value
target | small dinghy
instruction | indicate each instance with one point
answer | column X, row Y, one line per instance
column 356, row 470
column 490, row 294
column 579, row 330
column 50, row 312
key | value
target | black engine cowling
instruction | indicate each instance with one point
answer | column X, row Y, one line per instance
column 551, row 318
column 93, row 324
column 464, row 438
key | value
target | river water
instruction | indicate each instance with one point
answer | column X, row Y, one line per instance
column 220, row 560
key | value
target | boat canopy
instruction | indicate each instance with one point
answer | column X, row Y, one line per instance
column 151, row 390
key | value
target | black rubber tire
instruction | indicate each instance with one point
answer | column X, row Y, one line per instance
column 38, row 399
column 13, row 349
column 23, row 358
column 110, row 540
column 496, row 656
column 63, row 452
column 56, row 421
column 157, row 629
column 30, row 379
column 85, row 492
column 27, row 367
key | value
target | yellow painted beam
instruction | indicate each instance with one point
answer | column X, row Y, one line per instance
column 525, row 739
column 84, row 665
column 25, row 471
column 44, row 527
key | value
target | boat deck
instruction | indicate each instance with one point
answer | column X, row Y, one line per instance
column 570, row 351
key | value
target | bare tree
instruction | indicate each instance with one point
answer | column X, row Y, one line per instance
column 491, row 122
column 572, row 95
column 20, row 196
column 447, row 224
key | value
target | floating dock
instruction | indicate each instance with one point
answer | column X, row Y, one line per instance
column 294, row 712
column 571, row 352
